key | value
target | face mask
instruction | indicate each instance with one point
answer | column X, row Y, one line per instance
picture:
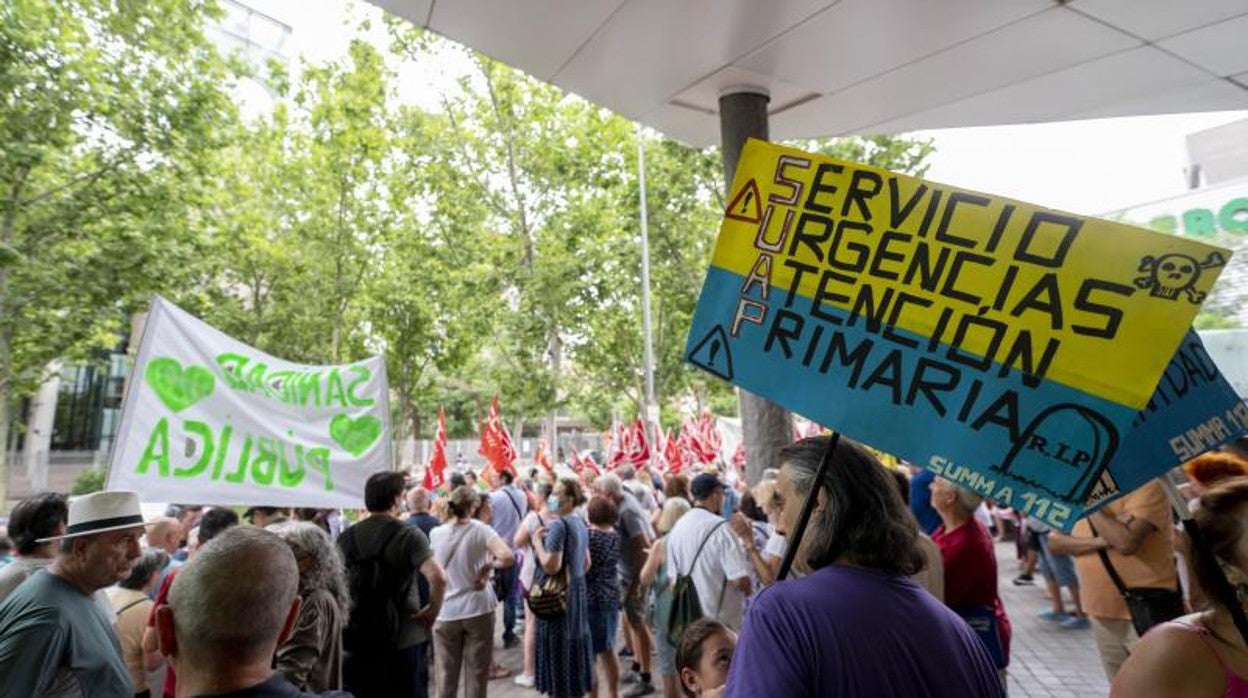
column 552, row 505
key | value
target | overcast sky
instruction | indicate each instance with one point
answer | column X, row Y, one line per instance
column 1087, row 167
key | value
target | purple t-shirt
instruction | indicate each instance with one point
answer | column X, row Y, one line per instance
column 849, row 631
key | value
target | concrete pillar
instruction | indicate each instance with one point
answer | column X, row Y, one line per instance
column 38, row 443
column 765, row 426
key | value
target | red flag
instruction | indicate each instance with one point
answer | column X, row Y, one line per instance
column 496, row 444
column 435, row 471
column 582, row 462
column 543, row 459
column 702, row 438
column 709, row 431
column 673, row 454
column 637, row 451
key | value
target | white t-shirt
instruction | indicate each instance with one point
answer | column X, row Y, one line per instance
column 722, row 560
column 528, row 567
column 776, row 545
column 463, row 550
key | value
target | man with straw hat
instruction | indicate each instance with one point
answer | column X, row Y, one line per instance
column 54, row 638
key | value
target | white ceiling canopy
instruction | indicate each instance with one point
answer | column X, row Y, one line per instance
column 839, row 67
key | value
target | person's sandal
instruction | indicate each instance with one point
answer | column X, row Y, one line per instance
column 498, row 671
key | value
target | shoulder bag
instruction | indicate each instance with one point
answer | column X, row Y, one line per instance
column 1148, row 606
column 548, row 599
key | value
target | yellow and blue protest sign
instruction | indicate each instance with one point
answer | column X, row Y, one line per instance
column 1018, row 350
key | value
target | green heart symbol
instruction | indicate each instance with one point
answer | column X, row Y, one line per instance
column 354, row 435
column 178, row 388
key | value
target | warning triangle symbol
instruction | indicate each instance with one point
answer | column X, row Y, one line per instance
column 746, row 205
column 712, row 353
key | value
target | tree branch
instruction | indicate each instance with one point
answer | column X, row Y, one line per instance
column 512, row 176
column 85, row 178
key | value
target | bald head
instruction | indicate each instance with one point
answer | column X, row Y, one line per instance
column 165, row 533
column 222, row 617
column 418, row 500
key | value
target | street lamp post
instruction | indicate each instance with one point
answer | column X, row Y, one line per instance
column 651, row 409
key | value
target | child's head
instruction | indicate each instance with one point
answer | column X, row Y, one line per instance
column 703, row 657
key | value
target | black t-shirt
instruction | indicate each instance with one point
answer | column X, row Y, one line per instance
column 404, row 554
column 275, row 687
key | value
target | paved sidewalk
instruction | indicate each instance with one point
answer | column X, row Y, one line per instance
column 1046, row 660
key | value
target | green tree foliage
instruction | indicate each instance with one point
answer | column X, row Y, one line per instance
column 683, row 209
column 427, row 302
column 1215, row 321
column 897, row 153
column 557, row 186
column 1226, row 299
column 107, row 112
column 488, row 246
column 88, row 481
column 539, row 169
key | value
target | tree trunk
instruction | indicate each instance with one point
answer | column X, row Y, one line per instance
column 413, row 419
column 556, row 368
column 4, row 447
column 8, row 232
column 6, row 387
column 333, row 350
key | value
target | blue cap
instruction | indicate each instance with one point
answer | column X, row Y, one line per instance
column 704, row 485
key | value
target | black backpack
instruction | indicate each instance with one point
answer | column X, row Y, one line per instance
column 686, row 608
column 376, row 615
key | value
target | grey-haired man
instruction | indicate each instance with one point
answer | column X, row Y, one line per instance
column 54, row 638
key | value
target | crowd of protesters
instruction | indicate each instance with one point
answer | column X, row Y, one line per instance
column 665, row 585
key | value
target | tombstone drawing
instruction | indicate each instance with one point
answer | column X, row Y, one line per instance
column 1063, row 451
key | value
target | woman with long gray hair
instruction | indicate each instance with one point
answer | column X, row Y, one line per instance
column 856, row 624
column 312, row 658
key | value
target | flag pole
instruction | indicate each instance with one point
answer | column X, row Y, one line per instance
column 652, row 422
column 795, row 537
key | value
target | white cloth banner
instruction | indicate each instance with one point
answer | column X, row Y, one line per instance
column 210, row 420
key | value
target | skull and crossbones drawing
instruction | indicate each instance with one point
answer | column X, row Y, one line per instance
column 1171, row 273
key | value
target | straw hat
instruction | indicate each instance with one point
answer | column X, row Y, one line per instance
column 101, row 511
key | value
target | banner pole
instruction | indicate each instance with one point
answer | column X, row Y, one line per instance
column 130, row 385
column 795, row 538
column 1200, row 549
